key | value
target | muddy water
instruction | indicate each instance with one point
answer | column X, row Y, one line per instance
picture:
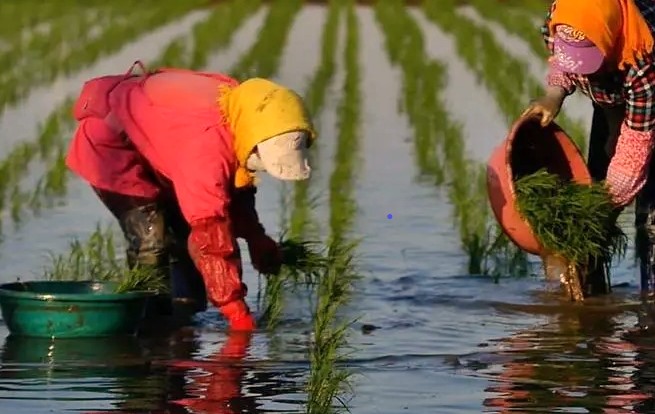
column 446, row 342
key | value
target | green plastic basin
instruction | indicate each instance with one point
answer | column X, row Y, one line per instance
column 71, row 309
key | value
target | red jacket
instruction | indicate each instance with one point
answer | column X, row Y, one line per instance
column 145, row 135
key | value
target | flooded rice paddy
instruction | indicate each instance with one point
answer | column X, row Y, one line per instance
column 409, row 102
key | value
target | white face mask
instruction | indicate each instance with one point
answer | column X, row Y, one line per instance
column 283, row 157
column 254, row 163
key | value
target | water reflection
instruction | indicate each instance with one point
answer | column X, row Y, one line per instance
column 215, row 384
column 89, row 374
column 154, row 374
column 590, row 360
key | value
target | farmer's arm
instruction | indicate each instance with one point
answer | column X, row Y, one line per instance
column 244, row 214
column 202, row 180
column 265, row 252
column 628, row 169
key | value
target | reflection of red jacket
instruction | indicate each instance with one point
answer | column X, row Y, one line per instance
column 216, row 390
column 175, row 135
column 223, row 383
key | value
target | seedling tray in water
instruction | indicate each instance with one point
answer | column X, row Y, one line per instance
column 71, row 309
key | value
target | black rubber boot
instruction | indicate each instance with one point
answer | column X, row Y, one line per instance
column 187, row 284
column 145, row 232
column 645, row 244
column 605, row 129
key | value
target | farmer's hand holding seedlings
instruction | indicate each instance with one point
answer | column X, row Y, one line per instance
column 605, row 49
column 173, row 155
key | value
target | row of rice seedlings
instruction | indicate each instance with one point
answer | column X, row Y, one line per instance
column 483, row 55
column 96, row 259
column 439, row 144
column 209, row 36
column 19, row 17
column 306, row 260
column 263, row 58
column 24, row 23
column 315, row 97
column 51, row 143
column 515, row 23
column 56, row 54
column 49, row 148
column 329, row 378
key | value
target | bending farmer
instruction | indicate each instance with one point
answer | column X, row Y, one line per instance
column 173, row 155
column 604, row 48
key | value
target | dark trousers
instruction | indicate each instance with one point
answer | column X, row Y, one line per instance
column 605, row 129
column 156, row 234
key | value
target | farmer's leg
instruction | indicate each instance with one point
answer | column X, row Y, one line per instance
column 605, row 129
column 187, row 283
column 143, row 224
column 645, row 231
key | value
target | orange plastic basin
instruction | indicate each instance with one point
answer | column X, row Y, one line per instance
column 528, row 148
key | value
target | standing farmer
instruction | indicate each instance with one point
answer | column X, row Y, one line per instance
column 604, row 48
column 172, row 154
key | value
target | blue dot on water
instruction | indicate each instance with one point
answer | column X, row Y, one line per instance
column 389, row 216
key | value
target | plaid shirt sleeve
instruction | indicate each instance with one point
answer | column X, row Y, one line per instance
column 640, row 98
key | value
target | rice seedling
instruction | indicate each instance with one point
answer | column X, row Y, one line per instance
column 17, row 201
column 490, row 62
column 67, row 46
column 218, row 29
column 439, row 145
column 264, row 56
column 304, row 260
column 95, row 259
column 208, row 36
column 141, row 278
column 303, row 264
column 49, row 147
column 174, row 54
column 341, row 182
column 574, row 222
column 515, row 22
column 56, row 176
column 315, row 97
column 328, row 379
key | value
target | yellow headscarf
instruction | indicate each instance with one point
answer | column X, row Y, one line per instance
column 256, row 110
column 616, row 27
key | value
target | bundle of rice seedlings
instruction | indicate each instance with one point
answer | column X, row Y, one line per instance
column 95, row 259
column 142, row 279
column 303, row 261
column 574, row 222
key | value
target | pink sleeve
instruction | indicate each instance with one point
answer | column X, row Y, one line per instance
column 556, row 77
column 100, row 153
column 628, row 169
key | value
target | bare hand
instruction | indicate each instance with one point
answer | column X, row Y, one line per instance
column 546, row 108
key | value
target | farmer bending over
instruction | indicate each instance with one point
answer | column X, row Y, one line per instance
column 604, row 48
column 173, row 154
